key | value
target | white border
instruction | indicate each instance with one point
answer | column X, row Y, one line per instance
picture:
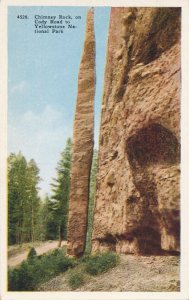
column 184, row 294
column 113, row 3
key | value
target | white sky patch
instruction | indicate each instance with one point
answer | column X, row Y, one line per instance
column 19, row 87
column 46, row 118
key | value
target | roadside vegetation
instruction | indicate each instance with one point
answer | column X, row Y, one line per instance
column 37, row 270
column 32, row 221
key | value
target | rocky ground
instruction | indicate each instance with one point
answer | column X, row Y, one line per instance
column 133, row 273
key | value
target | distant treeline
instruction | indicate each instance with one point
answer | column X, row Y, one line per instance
column 31, row 218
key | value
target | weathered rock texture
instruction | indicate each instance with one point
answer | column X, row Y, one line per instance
column 82, row 144
column 137, row 200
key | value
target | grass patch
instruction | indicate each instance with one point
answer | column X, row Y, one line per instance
column 91, row 265
column 37, row 270
column 76, row 279
column 101, row 263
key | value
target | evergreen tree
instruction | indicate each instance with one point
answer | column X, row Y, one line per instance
column 23, row 200
column 58, row 206
column 17, row 169
column 52, row 223
column 32, row 202
column 42, row 219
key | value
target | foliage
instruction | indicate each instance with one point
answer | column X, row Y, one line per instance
column 75, row 279
column 91, row 200
column 21, row 279
column 32, row 254
column 23, row 200
column 100, row 263
column 38, row 270
column 13, row 280
column 29, row 217
column 59, row 202
column 42, row 219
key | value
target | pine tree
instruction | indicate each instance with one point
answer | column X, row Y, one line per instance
column 23, row 200
column 52, row 222
column 33, row 201
column 58, row 207
column 42, row 219
column 17, row 169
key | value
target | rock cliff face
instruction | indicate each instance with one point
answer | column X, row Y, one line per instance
column 137, row 206
column 82, row 144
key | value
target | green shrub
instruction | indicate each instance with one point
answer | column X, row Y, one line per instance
column 84, row 258
column 65, row 263
column 32, row 254
column 21, row 279
column 75, row 279
column 26, row 278
column 36, row 270
column 101, row 263
column 13, row 280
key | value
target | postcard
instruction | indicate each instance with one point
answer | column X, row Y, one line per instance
column 94, row 149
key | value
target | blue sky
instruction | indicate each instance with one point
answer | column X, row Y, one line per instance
column 43, row 71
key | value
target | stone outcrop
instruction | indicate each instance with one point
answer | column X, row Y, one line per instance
column 82, row 144
column 137, row 206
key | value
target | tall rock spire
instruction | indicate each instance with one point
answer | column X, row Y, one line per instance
column 83, row 140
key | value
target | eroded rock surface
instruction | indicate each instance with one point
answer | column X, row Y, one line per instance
column 82, row 144
column 137, row 206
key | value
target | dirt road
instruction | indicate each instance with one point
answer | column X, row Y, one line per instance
column 45, row 247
